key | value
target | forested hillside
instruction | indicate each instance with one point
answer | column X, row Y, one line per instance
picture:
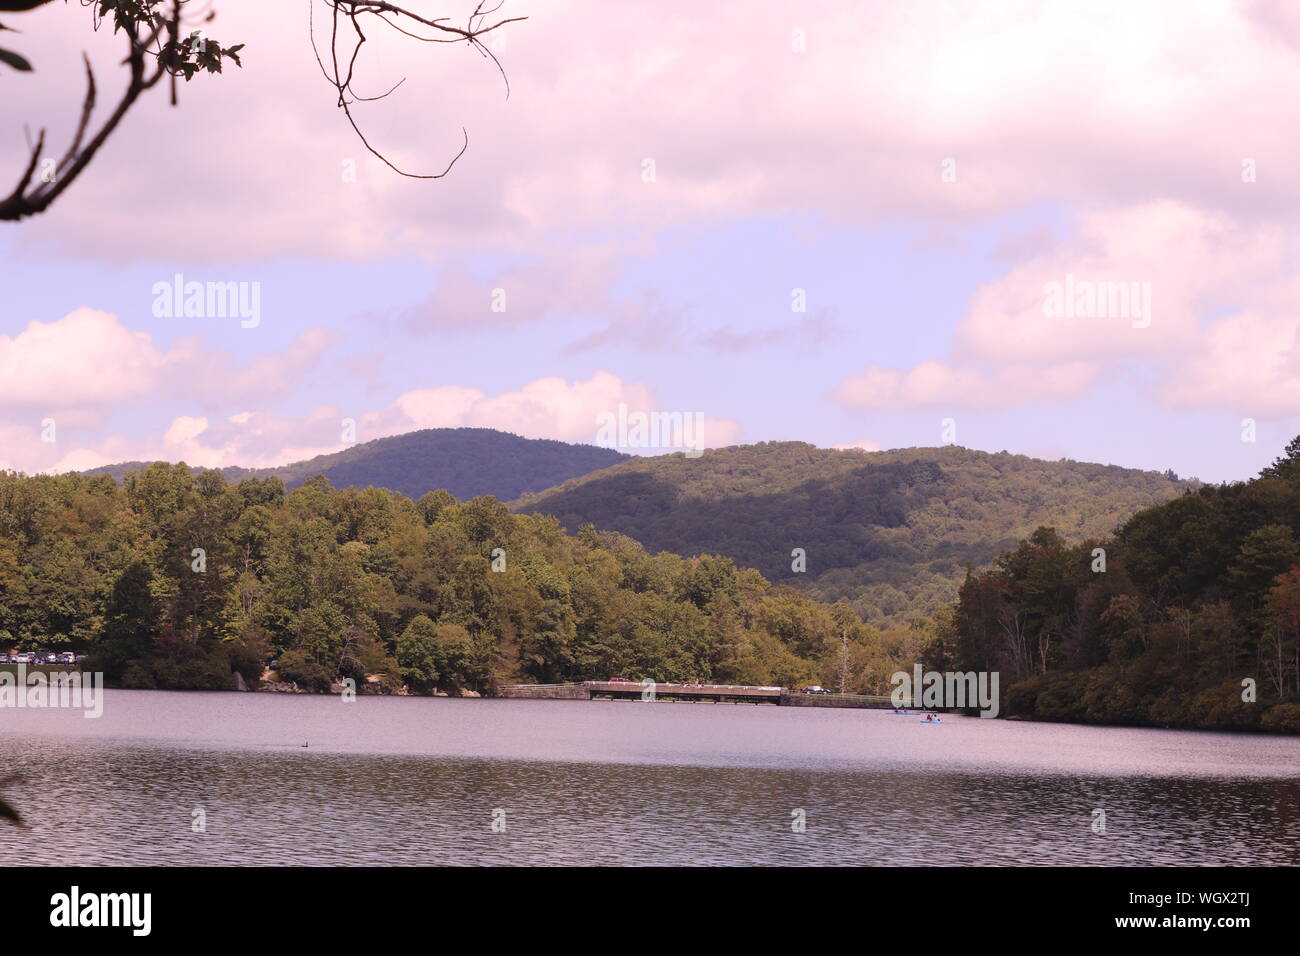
column 173, row 579
column 1197, row 595
column 890, row 532
column 468, row 462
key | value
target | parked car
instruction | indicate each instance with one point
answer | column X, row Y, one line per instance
column 26, row 657
column 619, row 680
column 815, row 689
column 6, row 659
column 67, row 657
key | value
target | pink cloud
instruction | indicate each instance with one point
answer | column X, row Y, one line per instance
column 86, row 357
column 246, row 439
column 1181, row 266
column 543, row 408
column 564, row 280
column 932, row 384
column 1248, row 362
column 1184, row 260
column 1032, row 101
column 862, row 444
column 212, row 376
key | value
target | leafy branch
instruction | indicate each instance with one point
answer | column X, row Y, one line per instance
column 160, row 46
column 155, row 49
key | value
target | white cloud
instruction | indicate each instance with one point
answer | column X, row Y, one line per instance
column 862, row 444
column 1183, row 266
column 85, row 358
column 544, row 408
column 1032, row 100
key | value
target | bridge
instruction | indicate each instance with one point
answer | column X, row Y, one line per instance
column 712, row 693
column 653, row 690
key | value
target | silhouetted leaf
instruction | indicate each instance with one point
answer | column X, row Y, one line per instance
column 14, row 60
column 7, row 812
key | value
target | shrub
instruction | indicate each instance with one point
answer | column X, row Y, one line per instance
column 1282, row 718
column 301, row 669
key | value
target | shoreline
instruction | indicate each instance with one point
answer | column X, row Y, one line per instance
column 1010, row 718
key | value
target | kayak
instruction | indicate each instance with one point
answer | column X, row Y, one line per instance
column 937, row 720
column 904, row 713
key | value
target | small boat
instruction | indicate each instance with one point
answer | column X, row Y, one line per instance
column 930, row 720
column 904, row 713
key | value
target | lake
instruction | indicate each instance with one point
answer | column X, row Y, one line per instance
column 392, row 780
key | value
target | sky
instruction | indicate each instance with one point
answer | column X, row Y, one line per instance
column 1062, row 229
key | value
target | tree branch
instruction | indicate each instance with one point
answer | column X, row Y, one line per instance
column 476, row 26
column 22, row 202
column 151, row 33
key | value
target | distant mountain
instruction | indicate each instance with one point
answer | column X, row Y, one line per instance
column 891, row 532
column 466, row 461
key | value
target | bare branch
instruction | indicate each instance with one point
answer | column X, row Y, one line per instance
column 476, row 26
column 157, row 49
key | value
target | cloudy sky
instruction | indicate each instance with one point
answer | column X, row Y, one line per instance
column 829, row 221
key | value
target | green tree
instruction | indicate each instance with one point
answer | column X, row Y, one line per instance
column 131, row 621
column 419, row 654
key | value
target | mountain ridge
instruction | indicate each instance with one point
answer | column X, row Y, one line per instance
column 467, row 462
column 891, row 531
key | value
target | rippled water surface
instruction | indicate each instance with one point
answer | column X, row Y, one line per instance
column 420, row 781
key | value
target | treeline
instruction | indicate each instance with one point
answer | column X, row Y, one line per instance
column 179, row 580
column 1159, row 624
